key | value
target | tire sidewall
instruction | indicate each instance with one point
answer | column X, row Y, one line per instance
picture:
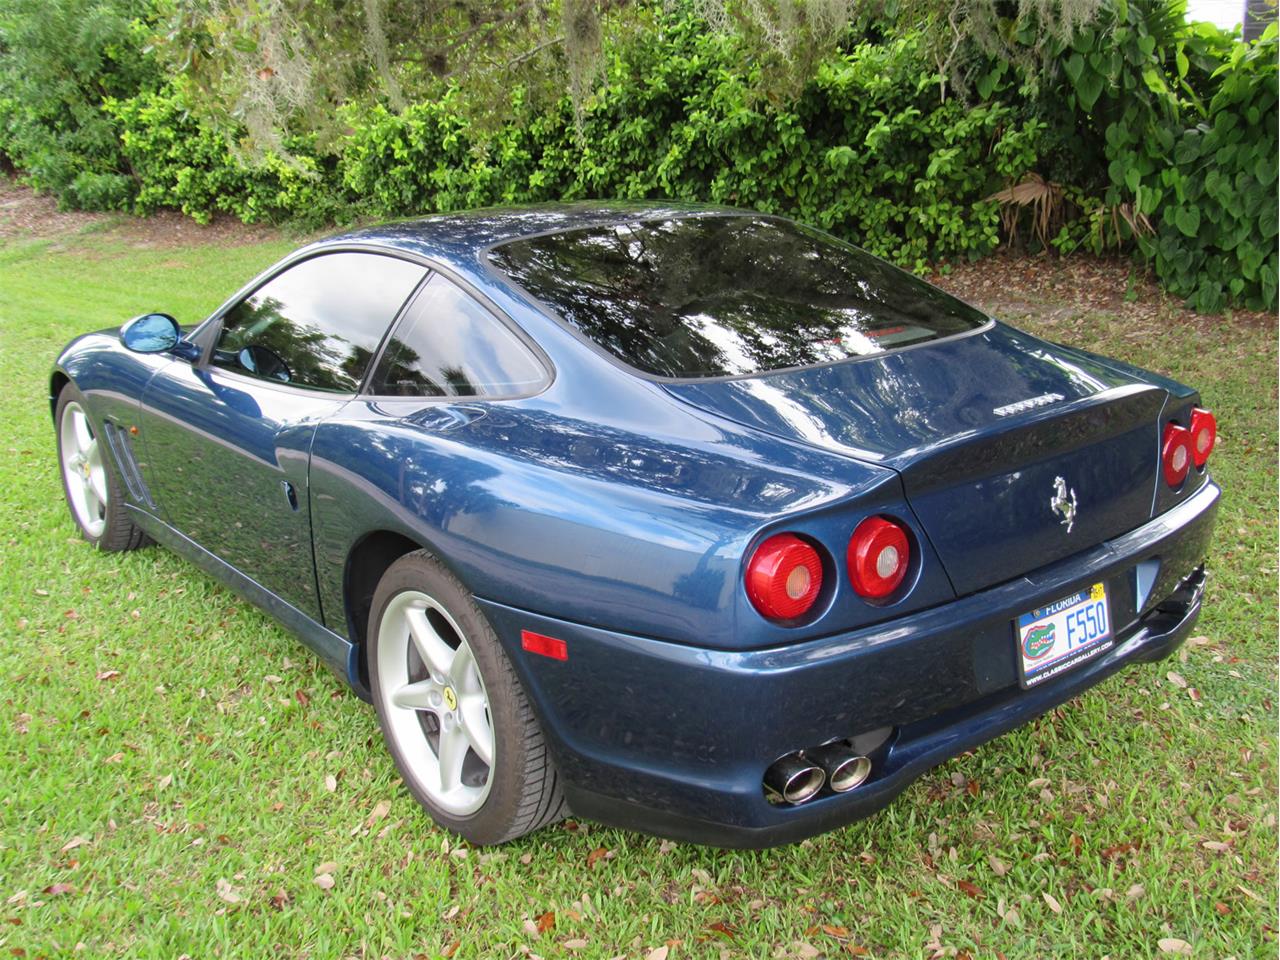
column 421, row 572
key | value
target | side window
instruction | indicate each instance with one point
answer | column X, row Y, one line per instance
column 319, row 323
column 448, row 345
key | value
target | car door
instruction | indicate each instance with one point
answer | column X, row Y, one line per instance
column 227, row 440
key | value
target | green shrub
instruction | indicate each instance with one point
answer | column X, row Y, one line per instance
column 1186, row 125
column 869, row 150
column 59, row 59
column 178, row 162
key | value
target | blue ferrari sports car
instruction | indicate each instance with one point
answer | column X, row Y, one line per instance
column 682, row 518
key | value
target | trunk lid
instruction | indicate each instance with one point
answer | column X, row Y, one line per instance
column 998, row 437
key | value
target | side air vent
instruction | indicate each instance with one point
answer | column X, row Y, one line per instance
column 122, row 452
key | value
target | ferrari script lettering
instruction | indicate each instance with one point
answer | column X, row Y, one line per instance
column 1043, row 400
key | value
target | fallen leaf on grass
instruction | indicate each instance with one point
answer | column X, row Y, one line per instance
column 451, row 949
column 1222, row 908
column 108, row 675
column 280, row 900
column 73, row 843
column 1250, row 894
column 969, row 888
column 227, row 892
column 59, row 889
column 164, row 781
column 1217, row 846
column 1177, row 680
column 998, row 866
column 1174, row 945
column 324, row 881
column 722, row 929
column 379, row 812
column 329, row 866
column 1052, row 901
column 575, row 944
column 805, row 951
column 546, row 922
column 598, row 854
column 658, row 953
column 1118, row 850
column 330, row 782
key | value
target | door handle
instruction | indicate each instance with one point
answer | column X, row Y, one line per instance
column 290, row 494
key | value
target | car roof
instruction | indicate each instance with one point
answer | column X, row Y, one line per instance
column 464, row 237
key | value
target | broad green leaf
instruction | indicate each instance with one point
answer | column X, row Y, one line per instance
column 1074, row 67
column 1089, row 89
column 1187, row 219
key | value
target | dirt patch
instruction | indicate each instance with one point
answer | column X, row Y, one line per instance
column 1063, row 291
column 27, row 215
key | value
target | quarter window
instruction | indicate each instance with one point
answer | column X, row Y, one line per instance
column 317, row 324
column 448, row 345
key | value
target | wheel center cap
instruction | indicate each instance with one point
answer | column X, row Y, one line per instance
column 450, row 698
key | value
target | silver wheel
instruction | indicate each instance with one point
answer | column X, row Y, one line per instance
column 434, row 702
column 83, row 470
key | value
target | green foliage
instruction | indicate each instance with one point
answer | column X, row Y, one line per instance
column 178, row 161
column 1216, row 241
column 58, row 60
column 868, row 150
column 1110, row 124
column 1184, row 124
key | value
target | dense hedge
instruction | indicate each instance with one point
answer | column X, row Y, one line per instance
column 1152, row 135
column 868, row 150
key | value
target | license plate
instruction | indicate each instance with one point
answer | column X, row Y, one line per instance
column 1063, row 634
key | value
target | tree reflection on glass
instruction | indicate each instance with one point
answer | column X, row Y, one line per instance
column 717, row 295
column 323, row 318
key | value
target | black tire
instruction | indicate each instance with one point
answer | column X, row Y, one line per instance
column 110, row 528
column 523, row 792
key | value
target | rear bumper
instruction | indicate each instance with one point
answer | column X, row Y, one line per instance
column 674, row 739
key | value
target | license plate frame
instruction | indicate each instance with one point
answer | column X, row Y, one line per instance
column 1082, row 619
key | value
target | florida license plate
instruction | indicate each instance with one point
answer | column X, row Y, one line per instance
column 1063, row 634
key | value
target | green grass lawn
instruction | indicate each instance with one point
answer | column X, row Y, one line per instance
column 176, row 771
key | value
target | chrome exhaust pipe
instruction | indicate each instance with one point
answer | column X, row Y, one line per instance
column 845, row 770
column 794, row 779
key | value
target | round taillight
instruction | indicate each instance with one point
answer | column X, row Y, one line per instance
column 1175, row 454
column 784, row 577
column 1204, row 434
column 878, row 557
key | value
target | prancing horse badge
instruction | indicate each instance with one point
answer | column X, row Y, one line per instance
column 1063, row 502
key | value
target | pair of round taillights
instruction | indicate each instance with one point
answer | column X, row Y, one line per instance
column 1183, row 446
column 784, row 576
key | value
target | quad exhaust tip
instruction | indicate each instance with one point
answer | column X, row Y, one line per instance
column 845, row 769
column 794, row 779
column 800, row 776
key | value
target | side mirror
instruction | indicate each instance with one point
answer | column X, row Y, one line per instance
column 151, row 333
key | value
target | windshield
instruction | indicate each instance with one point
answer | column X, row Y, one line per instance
column 727, row 295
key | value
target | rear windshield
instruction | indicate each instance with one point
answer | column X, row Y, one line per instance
column 728, row 295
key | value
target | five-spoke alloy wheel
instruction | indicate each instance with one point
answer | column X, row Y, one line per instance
column 453, row 713
column 435, row 692
column 82, row 470
column 92, row 489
